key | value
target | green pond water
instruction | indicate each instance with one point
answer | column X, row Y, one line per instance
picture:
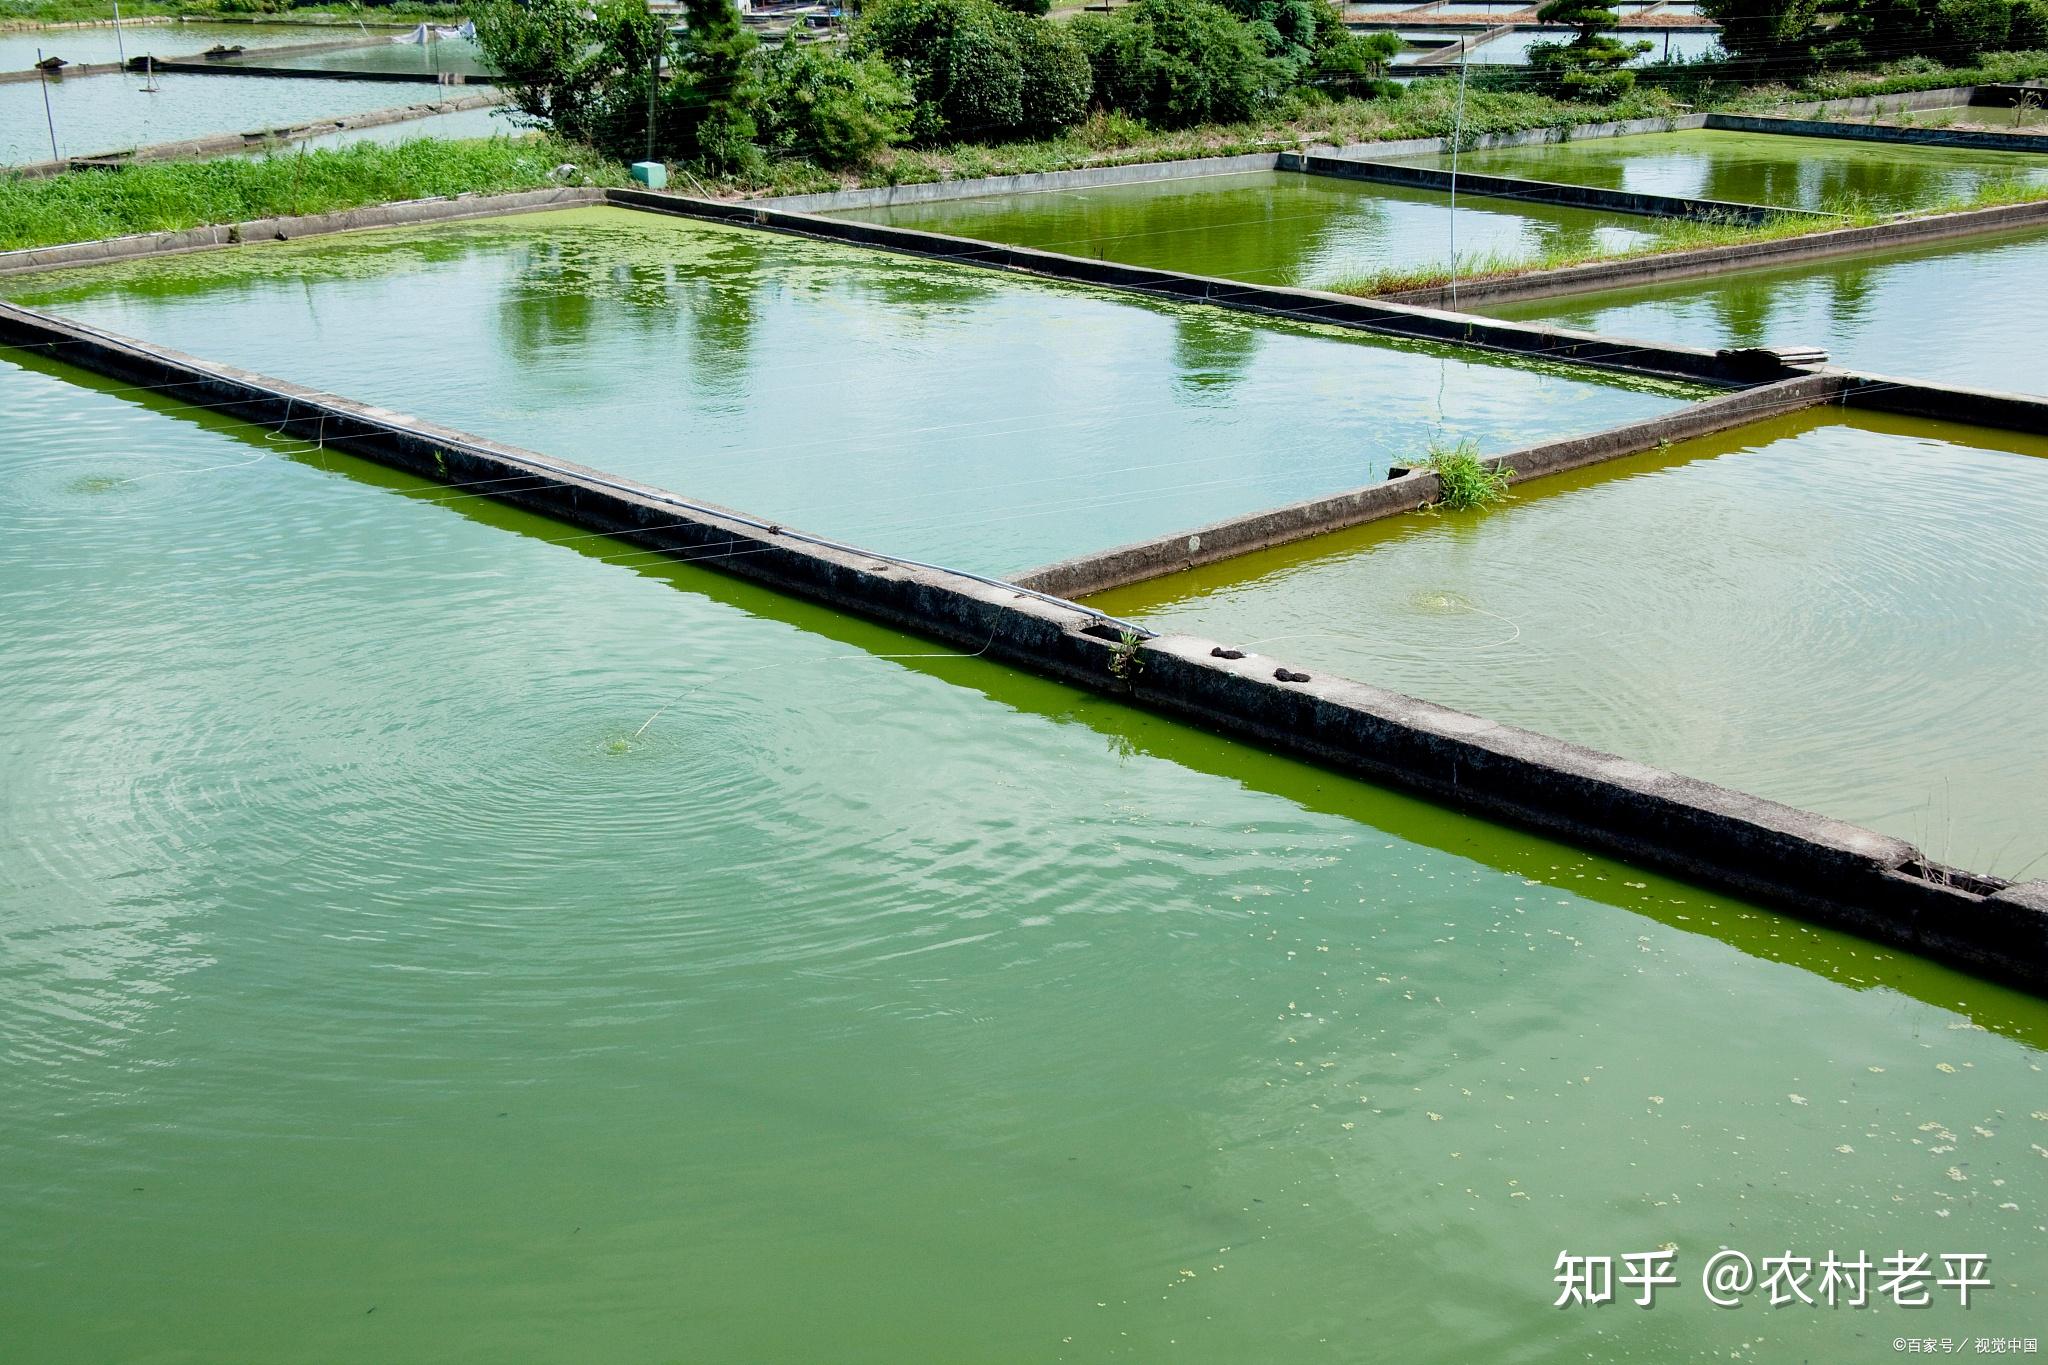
column 1764, row 168
column 114, row 113
column 915, row 407
column 1958, row 313
column 1270, row 227
column 91, row 46
column 378, row 988
column 1847, row 613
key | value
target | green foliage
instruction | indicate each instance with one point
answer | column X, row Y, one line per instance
column 1175, row 63
column 173, row 195
column 1591, row 65
column 1464, row 478
column 1357, row 63
column 2029, row 29
column 1125, row 662
column 835, row 109
column 979, row 71
column 1772, row 37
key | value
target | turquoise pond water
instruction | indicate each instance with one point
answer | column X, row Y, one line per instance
column 428, row 932
column 100, row 43
column 990, row 422
column 94, row 114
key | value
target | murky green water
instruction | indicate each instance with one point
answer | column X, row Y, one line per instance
column 1270, row 227
column 1847, row 613
column 114, row 113
column 89, row 46
column 1765, row 168
column 1958, row 313
column 919, row 408
column 372, row 993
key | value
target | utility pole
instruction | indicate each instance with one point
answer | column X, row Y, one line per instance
column 120, row 48
column 43, row 79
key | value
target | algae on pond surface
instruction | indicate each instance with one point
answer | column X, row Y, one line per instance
column 912, row 406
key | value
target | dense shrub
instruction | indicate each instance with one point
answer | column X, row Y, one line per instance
column 979, row 71
column 1591, row 65
column 832, row 108
column 2029, row 29
column 1178, row 62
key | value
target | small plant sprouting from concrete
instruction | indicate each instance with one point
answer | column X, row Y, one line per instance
column 2028, row 102
column 1464, row 479
column 1125, row 663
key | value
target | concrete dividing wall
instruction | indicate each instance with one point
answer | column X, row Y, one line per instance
column 1944, row 402
column 178, row 67
column 1636, row 271
column 1084, row 178
column 226, row 144
column 1537, row 191
column 108, row 249
column 1527, row 137
column 1882, row 132
column 1302, row 305
column 1825, row 870
column 1156, row 558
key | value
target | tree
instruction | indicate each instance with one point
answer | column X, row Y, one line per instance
column 1178, row 62
column 1591, row 65
column 834, row 108
column 979, row 71
column 709, row 105
column 1775, row 37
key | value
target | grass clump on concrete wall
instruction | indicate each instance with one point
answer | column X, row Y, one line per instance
column 169, row 196
column 1464, row 478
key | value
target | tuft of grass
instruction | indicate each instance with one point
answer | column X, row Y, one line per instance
column 1465, row 479
column 1125, row 662
column 172, row 195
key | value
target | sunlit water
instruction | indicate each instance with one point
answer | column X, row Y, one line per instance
column 912, row 406
column 91, row 46
column 114, row 113
column 464, row 123
column 1271, row 227
column 1842, row 612
column 377, row 988
column 1959, row 313
column 443, row 56
column 1764, row 168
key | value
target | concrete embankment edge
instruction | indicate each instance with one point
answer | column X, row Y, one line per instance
column 1086, row 575
column 227, row 144
column 1532, row 191
column 1822, row 869
column 1672, row 266
column 106, row 250
column 1299, row 305
column 1984, row 141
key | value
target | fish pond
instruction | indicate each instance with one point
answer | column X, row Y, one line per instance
column 920, row 408
column 1843, row 612
column 100, row 43
column 113, row 113
column 428, row 932
column 1272, row 227
column 1765, row 168
column 1954, row 312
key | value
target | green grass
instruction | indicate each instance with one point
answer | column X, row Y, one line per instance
column 1677, row 234
column 167, row 196
column 1465, row 479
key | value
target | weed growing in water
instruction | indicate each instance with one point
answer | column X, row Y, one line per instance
column 1125, row 663
column 1464, row 479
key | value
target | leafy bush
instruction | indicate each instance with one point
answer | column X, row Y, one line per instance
column 835, row 109
column 2029, row 29
column 1178, row 62
column 979, row 71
